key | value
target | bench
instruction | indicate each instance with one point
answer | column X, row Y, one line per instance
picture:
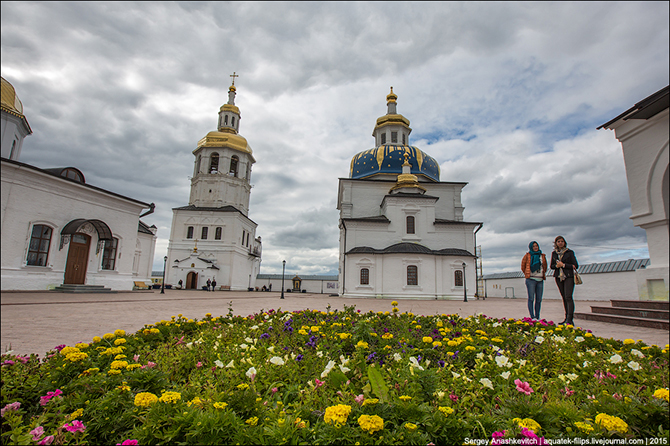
column 141, row 286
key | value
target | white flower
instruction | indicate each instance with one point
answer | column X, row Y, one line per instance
column 244, row 346
column 496, row 324
column 502, row 360
column 271, row 349
column 293, row 355
column 255, row 327
column 522, row 362
column 219, row 336
column 439, row 394
column 505, row 375
column 319, row 354
column 218, row 363
column 252, row 348
column 249, row 340
column 8, row 352
column 328, row 368
column 634, row 365
column 559, row 339
column 414, row 363
column 344, row 369
column 251, row 373
column 189, row 345
column 486, row 383
column 480, row 355
column 495, row 348
column 539, row 339
column 466, row 379
column 572, row 376
column 276, row 360
column 586, row 364
column 579, row 339
column 344, row 360
column 615, row 359
column 230, row 365
column 456, row 375
column 637, row 353
column 397, row 357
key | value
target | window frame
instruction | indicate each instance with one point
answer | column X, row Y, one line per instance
column 383, row 138
column 204, row 233
column 394, row 137
column 40, row 239
column 412, row 275
column 364, row 276
column 113, row 249
column 234, row 165
column 410, row 223
column 214, row 163
column 458, row 277
column 218, row 233
column 189, row 232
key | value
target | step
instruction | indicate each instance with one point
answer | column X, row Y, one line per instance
column 648, row 304
column 633, row 312
column 82, row 289
column 625, row 320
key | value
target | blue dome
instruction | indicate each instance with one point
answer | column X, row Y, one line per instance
column 388, row 159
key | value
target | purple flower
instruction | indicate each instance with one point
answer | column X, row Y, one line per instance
column 59, row 347
column 37, row 433
column 46, row 440
column 441, row 363
column 127, row 442
column 76, row 426
column 299, row 358
column 265, row 336
column 45, row 399
column 10, row 407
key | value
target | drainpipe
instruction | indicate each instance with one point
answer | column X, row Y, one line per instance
column 344, row 258
column 152, row 207
column 476, row 273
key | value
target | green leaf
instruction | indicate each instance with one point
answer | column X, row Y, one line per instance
column 379, row 387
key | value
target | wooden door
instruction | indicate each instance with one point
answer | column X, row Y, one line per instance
column 77, row 260
column 192, row 281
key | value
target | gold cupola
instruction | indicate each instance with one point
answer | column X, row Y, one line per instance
column 11, row 103
column 407, row 182
column 392, row 128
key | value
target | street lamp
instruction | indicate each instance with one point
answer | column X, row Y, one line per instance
column 465, row 288
column 163, row 283
column 283, row 269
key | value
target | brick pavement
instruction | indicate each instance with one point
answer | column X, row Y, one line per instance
column 36, row 322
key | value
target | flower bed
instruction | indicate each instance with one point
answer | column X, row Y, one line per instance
column 338, row 377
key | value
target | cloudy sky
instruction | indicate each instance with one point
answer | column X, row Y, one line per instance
column 505, row 96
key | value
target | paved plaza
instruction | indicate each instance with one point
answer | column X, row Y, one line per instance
column 35, row 322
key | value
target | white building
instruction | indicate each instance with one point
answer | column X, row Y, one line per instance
column 213, row 237
column 57, row 229
column 402, row 233
column 643, row 133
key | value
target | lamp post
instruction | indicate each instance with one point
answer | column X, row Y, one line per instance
column 465, row 288
column 163, row 283
column 283, row 269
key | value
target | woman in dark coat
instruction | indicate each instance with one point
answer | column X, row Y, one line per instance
column 564, row 263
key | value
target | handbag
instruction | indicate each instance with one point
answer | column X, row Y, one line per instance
column 578, row 279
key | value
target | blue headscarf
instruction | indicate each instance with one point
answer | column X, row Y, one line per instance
column 535, row 257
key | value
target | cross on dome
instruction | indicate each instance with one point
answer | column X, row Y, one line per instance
column 237, row 75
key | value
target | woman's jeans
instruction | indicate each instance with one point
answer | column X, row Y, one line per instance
column 535, row 288
column 566, row 288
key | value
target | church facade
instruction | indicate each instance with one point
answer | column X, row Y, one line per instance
column 402, row 233
column 213, row 238
column 57, row 229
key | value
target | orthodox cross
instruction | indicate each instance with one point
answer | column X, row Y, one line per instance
column 234, row 76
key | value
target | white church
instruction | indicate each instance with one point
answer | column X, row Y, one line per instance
column 402, row 233
column 58, row 231
column 213, row 238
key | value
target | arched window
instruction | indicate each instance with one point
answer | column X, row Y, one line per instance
column 189, row 232
column 232, row 121
column 205, row 229
column 109, row 254
column 40, row 240
column 410, row 224
column 394, row 136
column 412, row 275
column 458, row 278
column 383, row 138
column 214, row 163
column 234, row 161
column 197, row 164
column 225, row 119
column 365, row 276
column 217, row 233
column 404, row 139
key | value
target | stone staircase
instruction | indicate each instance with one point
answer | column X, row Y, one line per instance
column 640, row 313
column 88, row 289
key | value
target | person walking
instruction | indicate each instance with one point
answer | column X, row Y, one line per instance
column 564, row 263
column 534, row 267
column 209, row 284
column 213, row 284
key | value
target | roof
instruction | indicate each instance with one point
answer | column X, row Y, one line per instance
column 646, row 108
column 303, row 277
column 410, row 248
column 227, row 208
column 62, row 178
column 372, row 219
column 591, row 268
column 10, row 102
column 144, row 228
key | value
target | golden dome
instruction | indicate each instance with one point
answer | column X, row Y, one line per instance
column 230, row 107
column 224, row 139
column 392, row 119
column 232, row 88
column 391, row 97
column 10, row 101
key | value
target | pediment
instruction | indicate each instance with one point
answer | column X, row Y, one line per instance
column 195, row 261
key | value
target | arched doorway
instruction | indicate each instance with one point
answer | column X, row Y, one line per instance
column 192, row 281
column 77, row 259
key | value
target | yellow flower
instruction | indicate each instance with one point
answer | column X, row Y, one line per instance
column 370, row 401
column 302, row 332
column 119, row 364
column 252, row 421
column 119, row 332
column 405, row 397
column 344, row 336
column 588, row 335
column 218, row 405
column 76, row 414
column 528, row 423
column 371, row 423
column 437, row 344
column 120, row 341
column 394, row 303
column 584, row 427
column 301, row 424
column 452, row 343
column 81, row 345
column 67, row 350
column 243, row 386
column 114, row 372
column 208, row 314
column 628, row 341
column 120, row 357
column 108, row 336
column 362, row 344
column 446, row 410
column 661, row 394
column 612, row 423
column 124, row 386
column 197, row 401
column 418, row 327
column 133, row 366
column 145, row 399
column 96, row 339
column 469, row 347
column 410, row 427
column 387, row 336
column 89, row 372
column 496, row 340
column 170, row 397
column 427, row 339
column 337, row 414
column 76, row 356
column 315, row 329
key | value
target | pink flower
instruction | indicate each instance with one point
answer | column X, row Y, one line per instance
column 318, row 382
column 127, row 442
column 45, row 399
column 76, row 426
column 136, row 358
column 453, row 397
column 275, row 390
column 8, row 362
column 523, row 387
column 23, row 359
column 497, row 438
column 37, row 433
column 10, row 407
column 360, row 398
column 47, row 440
column 528, row 433
column 199, row 364
column 567, row 391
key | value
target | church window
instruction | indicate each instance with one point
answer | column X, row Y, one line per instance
column 383, row 138
column 38, row 251
column 71, row 174
column 225, row 119
column 410, row 224
column 214, row 163
column 412, row 275
column 365, row 276
column 205, row 229
column 244, row 233
column 234, row 161
column 109, row 254
column 189, row 232
column 458, row 278
column 394, row 136
column 232, row 121
column 11, row 152
column 404, row 139
column 197, row 165
column 217, row 233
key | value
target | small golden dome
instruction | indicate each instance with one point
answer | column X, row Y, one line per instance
column 230, row 107
column 391, row 97
column 224, row 139
column 232, row 88
column 10, row 101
